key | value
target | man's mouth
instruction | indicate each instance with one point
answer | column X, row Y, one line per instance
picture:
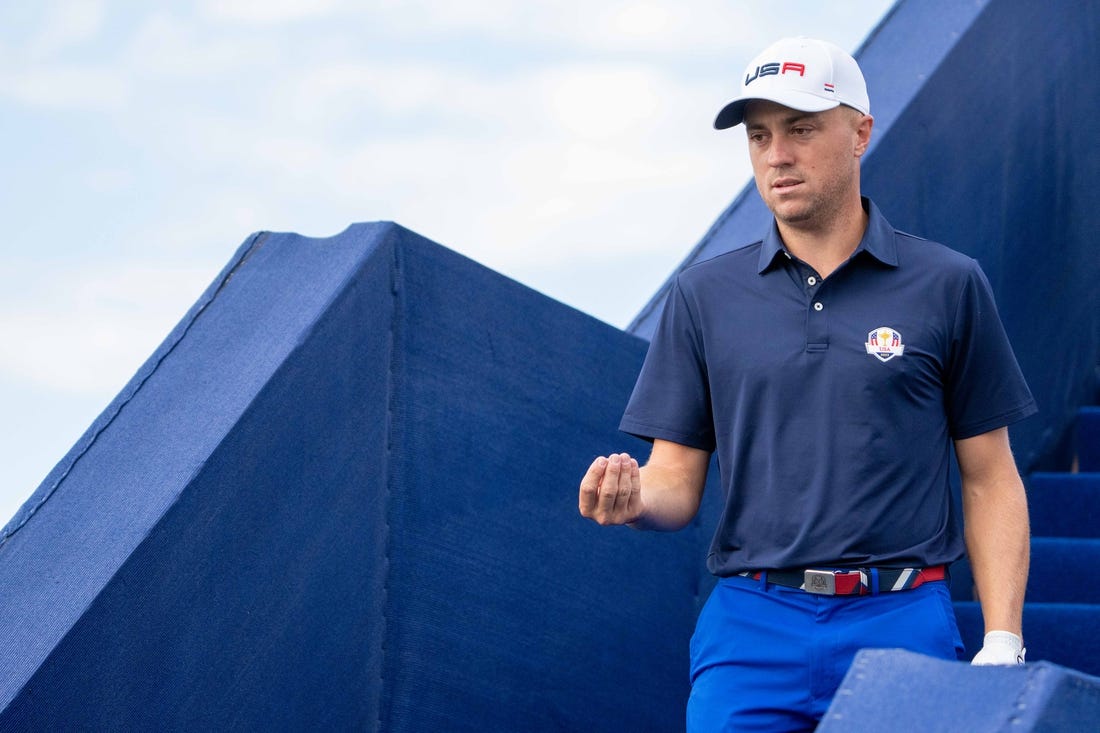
column 781, row 184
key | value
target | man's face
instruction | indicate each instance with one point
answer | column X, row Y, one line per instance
column 806, row 164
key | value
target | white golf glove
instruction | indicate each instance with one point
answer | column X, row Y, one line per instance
column 1000, row 648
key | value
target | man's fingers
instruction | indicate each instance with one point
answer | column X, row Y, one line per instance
column 621, row 491
column 590, row 486
column 609, row 487
column 623, row 481
column 629, row 488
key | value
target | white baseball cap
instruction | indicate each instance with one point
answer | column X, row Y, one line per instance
column 800, row 73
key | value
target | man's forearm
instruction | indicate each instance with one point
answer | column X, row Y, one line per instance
column 998, row 544
column 671, row 500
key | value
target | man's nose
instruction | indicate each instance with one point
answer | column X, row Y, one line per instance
column 780, row 152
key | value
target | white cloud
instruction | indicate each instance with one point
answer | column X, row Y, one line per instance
column 576, row 141
column 349, row 89
column 595, row 104
column 652, row 26
column 643, row 20
column 436, row 18
column 170, row 46
column 66, row 87
column 66, row 24
column 265, row 12
column 365, row 98
column 109, row 179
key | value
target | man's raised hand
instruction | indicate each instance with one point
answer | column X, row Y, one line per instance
column 611, row 490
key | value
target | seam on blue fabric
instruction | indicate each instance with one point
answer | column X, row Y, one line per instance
column 392, row 377
column 134, row 386
column 1021, row 713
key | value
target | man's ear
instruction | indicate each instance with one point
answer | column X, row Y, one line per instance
column 864, row 125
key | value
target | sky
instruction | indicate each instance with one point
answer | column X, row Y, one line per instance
column 566, row 144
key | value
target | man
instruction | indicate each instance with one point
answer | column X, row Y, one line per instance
column 832, row 366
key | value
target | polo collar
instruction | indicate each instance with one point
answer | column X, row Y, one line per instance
column 878, row 241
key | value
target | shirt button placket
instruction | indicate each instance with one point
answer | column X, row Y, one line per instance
column 817, row 332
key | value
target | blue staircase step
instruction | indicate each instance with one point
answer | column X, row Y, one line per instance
column 1064, row 504
column 1062, row 571
column 1088, row 439
column 1063, row 633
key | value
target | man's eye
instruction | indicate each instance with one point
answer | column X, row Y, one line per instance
column 801, row 131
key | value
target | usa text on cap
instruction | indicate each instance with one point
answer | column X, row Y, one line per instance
column 801, row 73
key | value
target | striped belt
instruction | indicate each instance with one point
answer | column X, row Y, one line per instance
column 855, row 582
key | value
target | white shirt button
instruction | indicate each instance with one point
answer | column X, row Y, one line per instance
column 818, row 306
column 811, row 280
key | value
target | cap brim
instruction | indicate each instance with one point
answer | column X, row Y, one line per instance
column 734, row 112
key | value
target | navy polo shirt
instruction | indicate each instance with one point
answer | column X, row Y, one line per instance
column 831, row 403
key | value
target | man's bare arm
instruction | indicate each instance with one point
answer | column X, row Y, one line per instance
column 997, row 532
column 664, row 494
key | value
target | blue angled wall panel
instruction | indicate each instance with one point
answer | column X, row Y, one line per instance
column 344, row 495
column 507, row 398
column 204, row 557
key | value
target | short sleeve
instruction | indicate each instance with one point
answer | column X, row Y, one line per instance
column 984, row 386
column 671, row 399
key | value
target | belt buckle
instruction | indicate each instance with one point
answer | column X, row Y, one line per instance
column 822, row 582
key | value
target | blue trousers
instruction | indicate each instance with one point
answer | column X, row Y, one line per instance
column 770, row 658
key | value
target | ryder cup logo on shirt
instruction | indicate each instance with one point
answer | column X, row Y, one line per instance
column 884, row 343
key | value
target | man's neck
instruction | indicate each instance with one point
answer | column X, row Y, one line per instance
column 826, row 245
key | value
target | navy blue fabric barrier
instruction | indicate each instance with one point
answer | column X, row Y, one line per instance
column 1088, row 439
column 343, row 495
column 1049, row 581
column 889, row 690
column 1064, row 504
column 984, row 122
column 1051, row 577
